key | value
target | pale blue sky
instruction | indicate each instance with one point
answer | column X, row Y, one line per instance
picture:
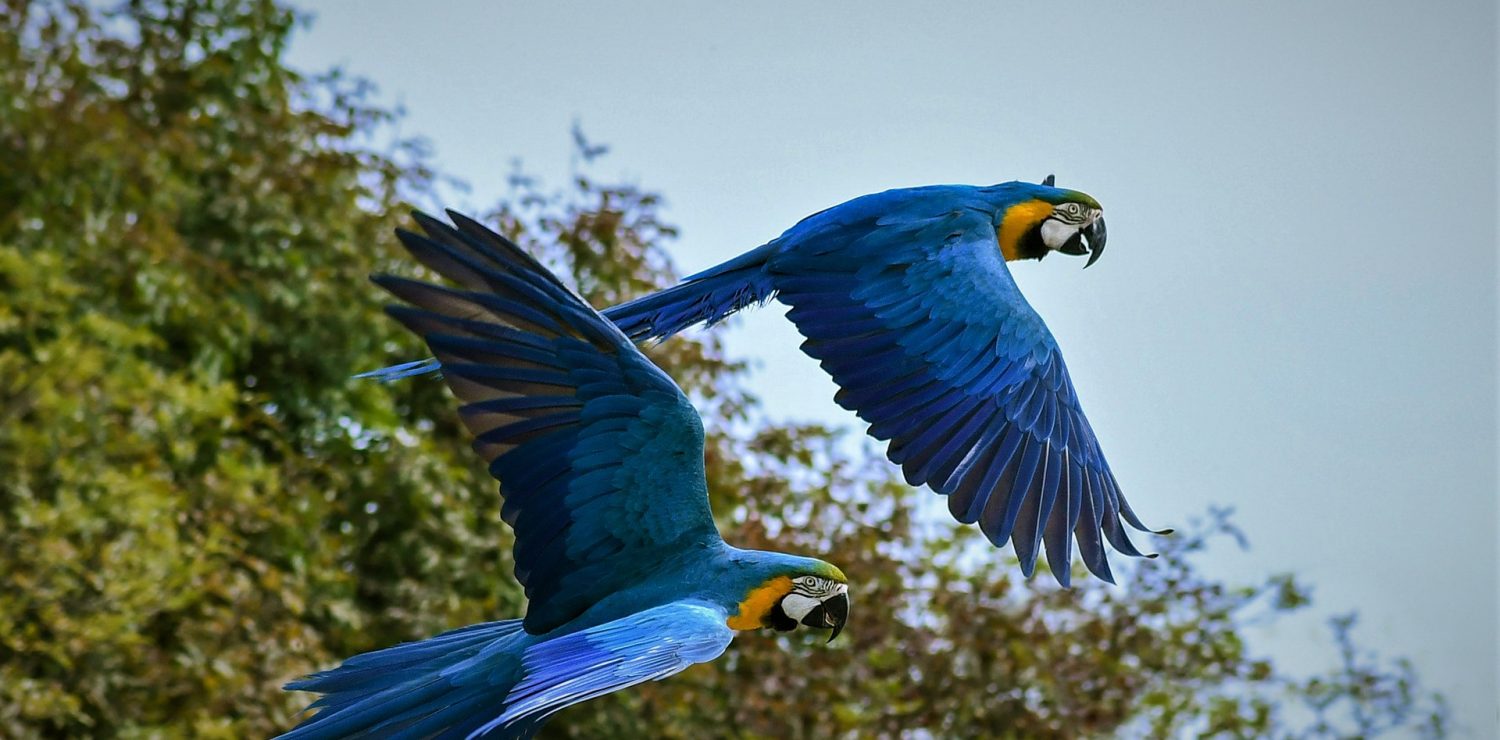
column 1297, row 313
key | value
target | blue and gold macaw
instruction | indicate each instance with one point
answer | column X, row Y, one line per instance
column 600, row 457
column 906, row 300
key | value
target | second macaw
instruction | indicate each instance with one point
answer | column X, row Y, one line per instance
column 600, row 457
column 906, row 300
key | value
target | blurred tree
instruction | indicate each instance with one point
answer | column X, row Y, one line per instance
column 197, row 503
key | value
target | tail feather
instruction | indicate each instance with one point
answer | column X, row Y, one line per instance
column 440, row 687
column 705, row 298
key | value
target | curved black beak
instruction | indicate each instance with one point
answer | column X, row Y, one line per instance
column 1089, row 240
column 1094, row 234
column 832, row 613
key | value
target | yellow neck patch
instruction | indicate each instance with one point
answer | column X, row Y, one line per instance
column 758, row 603
column 1019, row 219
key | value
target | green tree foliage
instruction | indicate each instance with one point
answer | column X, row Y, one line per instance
column 197, row 502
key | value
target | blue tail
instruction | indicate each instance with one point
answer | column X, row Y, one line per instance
column 446, row 686
column 705, row 298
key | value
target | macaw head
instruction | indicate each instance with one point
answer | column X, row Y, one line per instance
column 815, row 601
column 1045, row 219
column 814, row 594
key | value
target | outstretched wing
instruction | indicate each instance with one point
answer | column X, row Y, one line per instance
column 919, row 322
column 599, row 454
column 646, row 646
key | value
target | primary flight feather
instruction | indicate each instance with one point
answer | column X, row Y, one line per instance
column 906, row 300
column 600, row 459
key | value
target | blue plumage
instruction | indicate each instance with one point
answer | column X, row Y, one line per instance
column 905, row 299
column 600, row 457
column 390, row 692
column 705, row 298
column 647, row 646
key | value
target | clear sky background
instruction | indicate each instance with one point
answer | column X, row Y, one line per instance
column 1297, row 312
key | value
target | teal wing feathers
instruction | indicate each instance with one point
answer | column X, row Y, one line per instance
column 599, row 454
column 915, row 315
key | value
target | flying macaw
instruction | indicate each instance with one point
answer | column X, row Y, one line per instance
column 600, row 457
column 906, row 300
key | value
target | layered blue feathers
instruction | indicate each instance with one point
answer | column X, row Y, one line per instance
column 600, row 459
column 496, row 681
column 439, row 687
column 905, row 300
column 646, row 646
column 705, row 298
column 601, row 462
column 572, row 419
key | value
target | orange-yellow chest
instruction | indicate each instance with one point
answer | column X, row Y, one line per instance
column 1019, row 219
column 759, row 602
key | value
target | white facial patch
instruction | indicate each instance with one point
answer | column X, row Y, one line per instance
column 1065, row 221
column 798, row 606
column 1056, row 233
column 807, row 593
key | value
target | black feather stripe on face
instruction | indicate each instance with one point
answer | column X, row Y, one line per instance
column 1032, row 247
column 778, row 620
column 814, row 586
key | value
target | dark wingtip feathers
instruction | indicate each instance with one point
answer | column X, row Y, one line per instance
column 1062, row 571
column 1103, row 573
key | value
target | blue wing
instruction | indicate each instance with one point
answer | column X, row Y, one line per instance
column 914, row 314
column 599, row 454
column 646, row 646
